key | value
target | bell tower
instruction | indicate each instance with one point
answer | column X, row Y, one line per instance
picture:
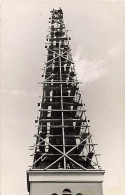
column 65, row 161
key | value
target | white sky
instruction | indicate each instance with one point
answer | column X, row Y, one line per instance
column 98, row 46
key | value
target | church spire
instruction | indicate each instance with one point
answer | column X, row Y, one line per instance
column 63, row 140
column 65, row 162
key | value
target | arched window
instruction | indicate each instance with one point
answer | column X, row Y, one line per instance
column 54, row 194
column 79, row 194
column 66, row 192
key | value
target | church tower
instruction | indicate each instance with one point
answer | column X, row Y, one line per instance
column 65, row 162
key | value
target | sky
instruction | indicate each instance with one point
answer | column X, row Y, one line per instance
column 97, row 31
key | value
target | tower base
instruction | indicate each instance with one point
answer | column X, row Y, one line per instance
column 65, row 182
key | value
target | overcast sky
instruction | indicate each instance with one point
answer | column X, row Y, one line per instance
column 98, row 47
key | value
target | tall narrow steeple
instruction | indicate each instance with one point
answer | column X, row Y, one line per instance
column 64, row 151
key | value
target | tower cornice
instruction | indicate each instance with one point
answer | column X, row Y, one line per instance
column 70, row 176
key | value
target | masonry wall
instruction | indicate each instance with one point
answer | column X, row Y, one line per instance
column 39, row 188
